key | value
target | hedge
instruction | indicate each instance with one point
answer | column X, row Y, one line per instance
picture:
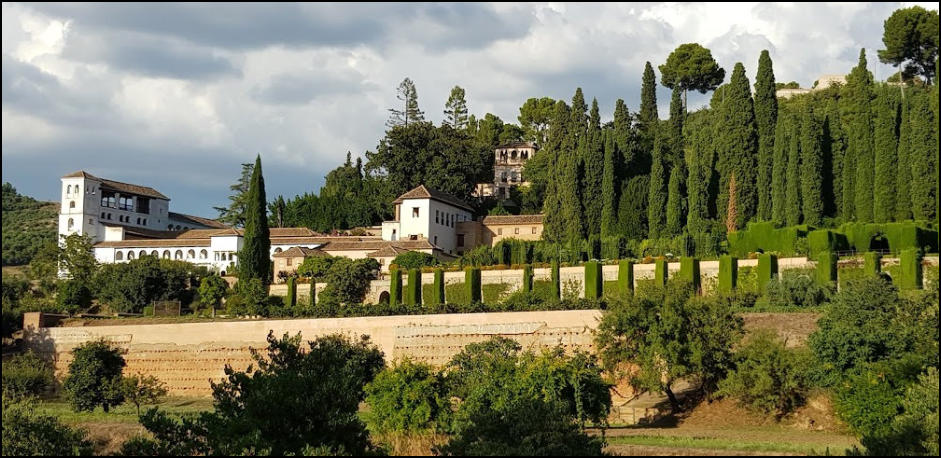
column 763, row 236
column 625, row 278
column 825, row 240
column 689, row 271
column 593, row 280
column 292, row 292
column 900, row 236
column 395, row 286
column 767, row 270
column 728, row 273
column 528, row 278
column 826, row 273
column 556, row 280
column 661, row 272
column 872, row 263
column 313, row 293
column 911, row 271
column 472, row 284
column 437, row 291
column 413, row 290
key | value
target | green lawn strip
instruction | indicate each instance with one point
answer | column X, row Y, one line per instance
column 729, row 444
column 125, row 413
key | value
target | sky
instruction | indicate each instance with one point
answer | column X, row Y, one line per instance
column 177, row 96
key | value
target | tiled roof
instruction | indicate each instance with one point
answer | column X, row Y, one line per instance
column 300, row 252
column 182, row 243
column 390, row 251
column 422, row 192
column 211, row 223
column 497, row 220
column 120, row 186
column 517, row 145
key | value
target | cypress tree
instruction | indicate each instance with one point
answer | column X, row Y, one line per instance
column 859, row 111
column 698, row 132
column 657, row 196
column 594, row 160
column 811, row 167
column 624, row 158
column 885, row 140
column 568, row 173
column 254, row 259
column 647, row 117
column 609, row 186
column 554, row 224
column 903, row 199
column 737, row 148
column 924, row 157
column 835, row 151
column 792, row 214
column 675, row 218
column 766, row 115
column 779, row 172
column 632, row 209
column 677, row 117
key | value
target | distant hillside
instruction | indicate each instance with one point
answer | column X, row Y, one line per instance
column 28, row 224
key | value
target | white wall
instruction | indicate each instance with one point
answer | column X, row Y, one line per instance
column 424, row 226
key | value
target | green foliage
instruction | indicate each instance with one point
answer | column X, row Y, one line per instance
column 26, row 375
column 527, row 278
column 212, row 288
column 142, row 389
column 872, row 263
column 812, row 167
column 455, row 110
column 690, row 66
column 472, row 284
column 914, row 432
column 910, row 37
column 625, row 279
column 130, row 286
column 414, row 260
column 73, row 296
column 610, row 183
column 768, row 376
column 869, row 396
column 28, row 225
column 779, row 169
column 437, row 291
column 348, row 280
column 689, row 272
column 409, row 114
column 859, row 96
column 316, row 267
column 254, row 257
column 556, row 280
column 736, row 144
column 408, row 397
column 792, row 198
column 766, row 117
column 413, row 290
column 591, row 173
column 885, row 138
column 661, row 272
column 728, row 273
column 795, row 289
column 911, row 275
column 657, row 194
column 670, row 334
column 767, row 270
column 395, row 286
column 94, row 376
column 292, row 292
column 593, row 281
column 924, row 157
column 826, row 271
column 234, row 214
column 248, row 298
column 29, row 433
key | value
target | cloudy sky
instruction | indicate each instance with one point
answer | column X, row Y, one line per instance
column 177, row 96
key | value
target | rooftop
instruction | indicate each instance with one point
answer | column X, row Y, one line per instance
column 120, row 186
column 423, row 192
column 497, row 220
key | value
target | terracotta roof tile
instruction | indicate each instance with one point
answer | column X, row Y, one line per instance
column 300, row 252
column 497, row 220
column 120, row 186
column 154, row 243
column 210, row 223
column 423, row 192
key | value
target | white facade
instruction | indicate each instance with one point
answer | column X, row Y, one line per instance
column 426, row 218
column 89, row 205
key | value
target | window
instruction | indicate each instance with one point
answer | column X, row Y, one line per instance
column 102, row 215
column 516, row 230
column 290, row 261
column 138, row 221
column 126, row 203
column 414, row 212
column 91, row 221
column 143, row 205
column 77, row 189
column 130, row 255
column 118, row 256
column 190, row 254
column 72, row 204
column 155, row 254
column 71, row 224
column 277, row 250
column 166, row 254
column 436, row 217
column 109, row 216
column 178, row 254
column 534, row 229
column 460, row 240
column 142, row 254
column 436, row 240
column 499, row 231
column 203, row 254
column 68, row 190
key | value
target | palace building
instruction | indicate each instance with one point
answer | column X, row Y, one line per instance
column 508, row 163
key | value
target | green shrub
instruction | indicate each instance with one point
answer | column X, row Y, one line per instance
column 212, row 289
column 73, row 296
column 728, row 273
column 413, row 290
column 94, row 376
column 689, row 272
column 911, row 271
column 661, row 272
column 437, row 296
column 527, row 285
column 823, row 240
column 625, row 278
column 767, row 270
column 408, row 397
column 292, row 292
column 795, row 289
column 826, row 272
column 414, row 260
column 768, row 377
column 26, row 432
column 869, row 397
column 472, row 283
column 26, row 375
column 593, row 281
column 142, row 389
column 556, row 280
column 872, row 263
column 395, row 286
column 915, row 431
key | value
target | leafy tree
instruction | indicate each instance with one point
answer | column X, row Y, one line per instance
column 455, row 111
column 140, row 389
column 915, row 431
column 131, row 286
column 26, row 432
column 737, row 148
column 26, row 375
column 903, row 199
column 276, row 208
column 414, row 260
column 670, row 334
column 254, row 258
column 73, row 296
column 690, row 66
column 554, row 223
column 766, row 117
column 535, row 117
column 234, row 214
column 212, row 289
column 647, row 117
column 77, row 259
column 911, row 35
column 885, row 138
column 779, row 169
column 768, row 376
column 632, row 209
column 676, row 204
column 869, row 396
column 811, row 165
column 409, row 396
column 835, row 150
column 700, row 156
column 316, row 267
column 94, row 376
column 348, row 280
column 858, row 115
column 409, row 113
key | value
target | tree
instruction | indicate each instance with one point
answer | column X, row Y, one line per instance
column 903, row 198
column 669, row 333
column 26, row 432
column 26, row 375
column 254, row 258
column 779, row 170
column 737, row 148
column 409, row 113
column 277, row 208
column 700, row 156
column 676, row 204
column 812, row 165
column 455, row 111
column 234, row 214
column 924, row 157
column 593, row 160
column 632, row 209
column 77, row 259
column 915, row 431
column 885, row 133
column 408, row 397
column 766, row 117
column 690, row 66
column 535, row 117
column 648, row 116
column 835, row 149
column 348, row 280
column 858, row 115
column 212, row 289
column 94, row 376
column 793, row 209
column 609, row 187
column 657, row 194
column 142, row 389
column 73, row 296
column 911, row 35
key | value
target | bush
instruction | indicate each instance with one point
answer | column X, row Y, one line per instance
column 131, row 286
column 73, row 296
column 795, row 289
column 869, row 397
column 915, row 431
column 414, row 260
column 28, row 433
column 140, row 389
column 768, row 377
column 26, row 375
column 348, row 280
column 211, row 291
column 94, row 376
column 409, row 397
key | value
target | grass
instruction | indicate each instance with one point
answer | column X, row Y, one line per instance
column 837, row 448
column 125, row 413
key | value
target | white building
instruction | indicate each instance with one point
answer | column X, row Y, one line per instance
column 427, row 214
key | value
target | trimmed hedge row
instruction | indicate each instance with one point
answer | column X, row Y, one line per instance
column 786, row 241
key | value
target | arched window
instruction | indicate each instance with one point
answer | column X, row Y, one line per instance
column 513, row 155
column 190, row 254
column 72, row 204
column 178, row 254
column 203, row 254
column 68, row 190
column 169, row 227
column 76, row 189
column 130, row 255
column 525, row 155
column 166, row 254
column 71, row 224
column 155, row 254
column 142, row 253
column 118, row 256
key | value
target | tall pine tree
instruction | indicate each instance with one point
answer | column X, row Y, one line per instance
column 610, row 186
column 700, row 161
column 554, row 223
column 793, row 212
column 779, row 171
column 737, row 148
column 858, row 114
column 835, row 151
column 455, row 110
column 903, row 173
column 254, row 258
column 924, row 157
column 676, row 203
column 885, row 140
column 766, row 115
column 811, row 155
column 594, row 161
column 648, row 117
column 657, row 196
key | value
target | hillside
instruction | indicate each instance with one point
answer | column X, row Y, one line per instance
column 28, row 224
